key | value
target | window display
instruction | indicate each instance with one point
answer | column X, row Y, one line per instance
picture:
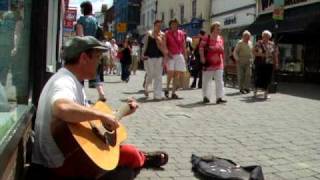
column 14, row 49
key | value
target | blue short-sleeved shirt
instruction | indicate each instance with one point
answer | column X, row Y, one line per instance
column 89, row 24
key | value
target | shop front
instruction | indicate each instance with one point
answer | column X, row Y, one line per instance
column 297, row 38
column 24, row 62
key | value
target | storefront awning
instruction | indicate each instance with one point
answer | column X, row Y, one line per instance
column 299, row 19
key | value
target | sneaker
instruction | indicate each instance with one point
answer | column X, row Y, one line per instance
column 174, row 96
column 247, row 91
column 146, row 93
column 155, row 159
column 266, row 96
column 242, row 91
column 103, row 99
column 206, row 100
column 166, row 93
column 220, row 101
column 255, row 93
column 193, row 85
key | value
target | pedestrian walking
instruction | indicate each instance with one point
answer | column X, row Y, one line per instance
column 176, row 46
column 243, row 56
column 114, row 58
column 126, row 61
column 154, row 51
column 212, row 57
column 135, row 57
column 196, row 67
column 87, row 25
column 265, row 62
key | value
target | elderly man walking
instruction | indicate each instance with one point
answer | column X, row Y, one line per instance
column 243, row 56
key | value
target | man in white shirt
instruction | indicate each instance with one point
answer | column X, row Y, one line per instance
column 63, row 100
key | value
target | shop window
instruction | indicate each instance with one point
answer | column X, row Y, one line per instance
column 15, row 29
column 14, row 51
column 291, row 57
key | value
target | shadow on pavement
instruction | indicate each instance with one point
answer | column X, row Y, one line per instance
column 150, row 100
column 252, row 99
column 233, row 94
column 196, row 104
column 138, row 92
column 310, row 91
column 112, row 82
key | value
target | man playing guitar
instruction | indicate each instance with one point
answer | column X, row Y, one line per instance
column 63, row 100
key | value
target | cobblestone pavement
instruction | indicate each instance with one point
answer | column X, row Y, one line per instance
column 281, row 134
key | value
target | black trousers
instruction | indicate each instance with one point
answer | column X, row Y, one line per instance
column 263, row 75
column 125, row 73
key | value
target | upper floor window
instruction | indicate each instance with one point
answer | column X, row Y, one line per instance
column 182, row 14
column 143, row 19
column 148, row 18
column 194, row 8
column 171, row 14
column 162, row 16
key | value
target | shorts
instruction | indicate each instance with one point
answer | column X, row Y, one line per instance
column 177, row 63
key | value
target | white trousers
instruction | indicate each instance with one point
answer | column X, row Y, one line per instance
column 154, row 71
column 118, row 67
column 207, row 84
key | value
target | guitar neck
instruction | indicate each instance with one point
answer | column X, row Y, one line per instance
column 122, row 111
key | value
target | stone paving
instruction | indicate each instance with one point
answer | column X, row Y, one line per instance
column 281, row 134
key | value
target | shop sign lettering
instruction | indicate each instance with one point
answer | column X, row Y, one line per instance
column 230, row 20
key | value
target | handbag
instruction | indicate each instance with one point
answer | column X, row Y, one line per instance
column 205, row 53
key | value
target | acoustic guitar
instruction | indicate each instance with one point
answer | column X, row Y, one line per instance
column 89, row 148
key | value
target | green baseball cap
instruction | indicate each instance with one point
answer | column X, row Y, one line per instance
column 76, row 45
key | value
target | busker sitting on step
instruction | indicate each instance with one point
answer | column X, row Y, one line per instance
column 63, row 100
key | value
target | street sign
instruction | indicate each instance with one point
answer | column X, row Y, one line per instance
column 71, row 14
column 122, row 27
column 278, row 11
column 70, row 17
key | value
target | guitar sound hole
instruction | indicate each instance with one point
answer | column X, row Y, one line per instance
column 111, row 138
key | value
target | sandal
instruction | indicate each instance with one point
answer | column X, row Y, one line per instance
column 146, row 93
column 155, row 159
column 174, row 96
column 166, row 93
column 102, row 98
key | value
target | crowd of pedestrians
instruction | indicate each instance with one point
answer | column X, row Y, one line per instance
column 174, row 54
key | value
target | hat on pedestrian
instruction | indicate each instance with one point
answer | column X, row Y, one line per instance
column 76, row 45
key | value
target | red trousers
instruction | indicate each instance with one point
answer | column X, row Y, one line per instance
column 131, row 157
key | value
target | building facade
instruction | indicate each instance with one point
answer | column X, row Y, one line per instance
column 147, row 15
column 109, row 22
column 234, row 16
column 296, row 35
column 193, row 15
column 127, row 18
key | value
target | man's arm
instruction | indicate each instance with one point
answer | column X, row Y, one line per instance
column 235, row 52
column 72, row 112
column 145, row 44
